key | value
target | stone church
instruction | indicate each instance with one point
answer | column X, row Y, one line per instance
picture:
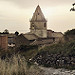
column 38, row 35
column 38, row 24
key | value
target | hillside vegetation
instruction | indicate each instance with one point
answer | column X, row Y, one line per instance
column 17, row 65
column 67, row 48
column 69, row 35
column 57, row 55
column 70, row 32
column 21, row 61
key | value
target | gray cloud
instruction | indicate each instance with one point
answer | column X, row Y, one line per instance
column 23, row 3
column 32, row 3
column 10, row 17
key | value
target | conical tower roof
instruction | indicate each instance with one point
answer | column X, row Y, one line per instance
column 38, row 15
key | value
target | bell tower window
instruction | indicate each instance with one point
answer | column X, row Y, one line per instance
column 44, row 24
column 38, row 13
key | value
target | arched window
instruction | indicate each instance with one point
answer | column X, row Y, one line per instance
column 44, row 24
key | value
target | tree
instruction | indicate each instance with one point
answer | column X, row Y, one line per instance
column 73, row 9
column 69, row 35
column 6, row 31
column 16, row 33
column 70, row 32
column 73, row 4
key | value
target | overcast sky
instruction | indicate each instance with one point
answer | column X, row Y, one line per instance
column 15, row 14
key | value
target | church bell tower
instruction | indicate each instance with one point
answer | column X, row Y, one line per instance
column 38, row 24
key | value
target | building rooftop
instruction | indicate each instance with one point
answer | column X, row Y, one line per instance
column 38, row 15
column 30, row 36
column 42, row 41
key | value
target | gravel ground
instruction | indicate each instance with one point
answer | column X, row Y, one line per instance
column 52, row 71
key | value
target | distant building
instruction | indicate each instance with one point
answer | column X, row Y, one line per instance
column 11, row 40
column 38, row 35
column 3, row 42
column 58, row 36
column 25, row 39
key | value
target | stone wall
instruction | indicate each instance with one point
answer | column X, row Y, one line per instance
column 4, row 42
column 40, row 33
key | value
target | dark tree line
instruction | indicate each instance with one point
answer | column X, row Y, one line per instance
column 5, row 32
column 70, row 32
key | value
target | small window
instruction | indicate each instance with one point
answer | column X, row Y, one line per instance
column 38, row 13
column 32, row 24
column 44, row 24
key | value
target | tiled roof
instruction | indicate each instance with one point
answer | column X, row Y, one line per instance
column 42, row 41
column 30, row 36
